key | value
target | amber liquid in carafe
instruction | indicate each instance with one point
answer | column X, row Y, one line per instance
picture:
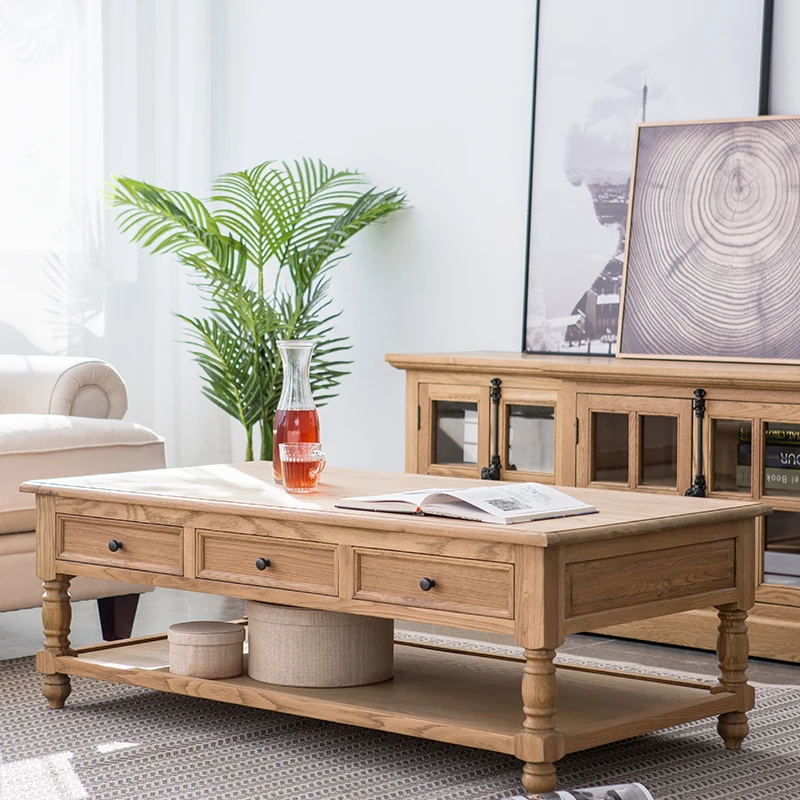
column 292, row 425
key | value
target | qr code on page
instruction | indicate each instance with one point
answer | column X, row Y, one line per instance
column 506, row 504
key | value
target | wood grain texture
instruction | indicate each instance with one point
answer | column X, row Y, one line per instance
column 408, row 541
column 748, row 574
column 462, row 586
column 732, row 650
column 711, row 269
column 638, row 409
column 298, row 566
column 46, row 538
column 509, row 397
column 151, row 548
column 617, row 617
column 462, row 698
column 539, row 744
column 264, row 594
column 248, row 490
column 429, row 396
column 639, row 578
column 533, row 369
column 540, row 598
column 773, row 630
column 56, row 620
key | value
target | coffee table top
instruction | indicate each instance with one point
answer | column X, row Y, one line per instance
column 248, row 489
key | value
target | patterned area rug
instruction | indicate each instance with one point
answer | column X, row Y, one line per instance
column 124, row 743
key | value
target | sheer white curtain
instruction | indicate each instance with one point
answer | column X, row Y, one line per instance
column 96, row 88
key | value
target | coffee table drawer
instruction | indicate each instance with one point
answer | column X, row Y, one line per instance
column 262, row 561
column 112, row 543
column 447, row 584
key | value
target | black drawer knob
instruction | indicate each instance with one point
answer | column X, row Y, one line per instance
column 426, row 584
column 263, row 563
column 114, row 545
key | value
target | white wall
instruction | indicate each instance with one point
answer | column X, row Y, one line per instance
column 431, row 96
column 785, row 78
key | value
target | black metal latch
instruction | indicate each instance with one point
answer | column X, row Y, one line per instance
column 492, row 472
column 698, row 488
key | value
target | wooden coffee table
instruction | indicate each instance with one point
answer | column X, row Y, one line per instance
column 204, row 528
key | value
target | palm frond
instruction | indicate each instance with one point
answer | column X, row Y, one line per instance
column 230, row 373
column 164, row 221
column 295, row 218
column 306, row 265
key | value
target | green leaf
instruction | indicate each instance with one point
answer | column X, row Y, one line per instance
column 275, row 219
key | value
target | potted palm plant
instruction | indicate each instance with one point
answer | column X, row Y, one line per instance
column 261, row 249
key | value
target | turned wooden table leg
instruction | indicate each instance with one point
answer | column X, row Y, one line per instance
column 56, row 619
column 539, row 695
column 732, row 650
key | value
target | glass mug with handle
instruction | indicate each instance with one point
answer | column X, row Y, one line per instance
column 302, row 464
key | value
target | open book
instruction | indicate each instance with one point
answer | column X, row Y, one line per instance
column 501, row 503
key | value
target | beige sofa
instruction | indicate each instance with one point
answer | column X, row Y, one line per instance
column 61, row 417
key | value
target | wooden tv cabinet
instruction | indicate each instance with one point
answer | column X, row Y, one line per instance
column 630, row 424
column 204, row 529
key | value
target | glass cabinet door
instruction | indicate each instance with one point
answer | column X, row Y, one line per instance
column 782, row 548
column 634, row 442
column 453, row 430
column 781, row 459
column 753, row 450
column 609, row 447
column 527, row 438
column 731, row 453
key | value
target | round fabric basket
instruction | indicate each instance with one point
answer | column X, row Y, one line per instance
column 206, row 649
column 291, row 646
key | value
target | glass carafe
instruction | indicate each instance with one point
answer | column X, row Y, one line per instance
column 296, row 419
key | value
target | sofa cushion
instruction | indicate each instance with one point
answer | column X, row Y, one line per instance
column 20, row 588
column 13, row 543
column 51, row 446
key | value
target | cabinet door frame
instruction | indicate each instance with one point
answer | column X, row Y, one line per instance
column 527, row 397
column 635, row 407
column 732, row 411
column 431, row 393
column 757, row 414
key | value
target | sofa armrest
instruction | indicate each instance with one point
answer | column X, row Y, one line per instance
column 74, row 387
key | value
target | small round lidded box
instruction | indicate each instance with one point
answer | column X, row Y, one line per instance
column 206, row 649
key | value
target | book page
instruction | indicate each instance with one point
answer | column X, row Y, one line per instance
column 502, row 500
column 414, row 498
column 490, row 502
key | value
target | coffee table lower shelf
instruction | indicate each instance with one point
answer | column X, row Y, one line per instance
column 464, row 698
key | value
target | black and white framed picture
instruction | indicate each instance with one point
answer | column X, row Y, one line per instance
column 602, row 66
column 712, row 261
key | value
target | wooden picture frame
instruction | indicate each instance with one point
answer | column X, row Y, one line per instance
column 584, row 82
column 710, row 260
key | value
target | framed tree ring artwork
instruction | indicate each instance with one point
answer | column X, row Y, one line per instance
column 712, row 269
column 601, row 67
